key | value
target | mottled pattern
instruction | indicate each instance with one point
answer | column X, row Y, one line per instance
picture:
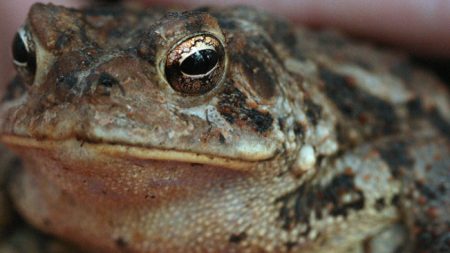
column 301, row 141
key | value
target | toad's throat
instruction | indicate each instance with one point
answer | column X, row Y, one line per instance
column 127, row 151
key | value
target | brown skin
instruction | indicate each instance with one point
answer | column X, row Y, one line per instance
column 419, row 26
column 302, row 123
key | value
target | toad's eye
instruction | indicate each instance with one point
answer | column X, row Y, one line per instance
column 23, row 52
column 196, row 65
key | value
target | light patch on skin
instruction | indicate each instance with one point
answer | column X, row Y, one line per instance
column 383, row 86
column 306, row 158
column 210, row 114
column 323, row 132
column 323, row 138
column 389, row 240
column 255, row 150
column 371, row 176
column 44, row 60
column 198, row 111
column 307, row 68
column 329, row 146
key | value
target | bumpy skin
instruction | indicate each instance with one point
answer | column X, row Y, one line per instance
column 310, row 142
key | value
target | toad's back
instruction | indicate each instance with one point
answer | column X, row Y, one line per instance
column 223, row 130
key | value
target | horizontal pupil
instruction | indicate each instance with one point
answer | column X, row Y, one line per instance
column 20, row 52
column 200, row 62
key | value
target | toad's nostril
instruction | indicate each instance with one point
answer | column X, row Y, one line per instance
column 108, row 82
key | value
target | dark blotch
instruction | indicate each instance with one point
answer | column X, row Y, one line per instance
column 258, row 76
column 15, row 89
column 290, row 245
column 397, row 157
column 358, row 104
column 193, row 22
column 363, row 64
column 395, row 201
column 261, row 121
column 330, row 39
column 202, row 9
column 380, row 204
column 47, row 222
column 442, row 188
column 426, row 190
column 283, row 33
column 62, row 40
column 403, row 70
column 299, row 54
column 117, row 33
column 442, row 243
column 415, row 108
column 303, row 202
column 237, row 238
column 221, row 138
column 67, row 80
column 231, row 102
column 84, row 37
column 290, row 215
column 281, row 123
column 297, row 205
column 313, row 111
column 427, row 236
column 439, row 122
column 299, row 129
column 340, row 185
column 150, row 196
column 105, row 10
column 268, row 44
column 229, row 117
column 233, row 108
column 147, row 47
column 108, row 81
column 227, row 24
column 284, row 214
column 121, row 243
column 400, row 249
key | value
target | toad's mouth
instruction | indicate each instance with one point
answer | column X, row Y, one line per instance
column 127, row 151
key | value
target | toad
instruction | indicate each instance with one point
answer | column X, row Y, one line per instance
column 219, row 130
